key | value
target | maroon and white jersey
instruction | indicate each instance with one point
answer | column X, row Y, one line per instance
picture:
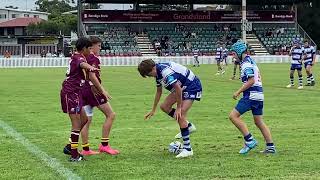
column 76, row 76
column 94, row 61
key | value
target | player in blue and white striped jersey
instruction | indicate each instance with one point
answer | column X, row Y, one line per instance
column 252, row 99
column 196, row 56
column 296, row 53
column 309, row 59
column 219, row 59
column 225, row 54
column 185, row 87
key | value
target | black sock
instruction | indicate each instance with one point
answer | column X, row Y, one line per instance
column 171, row 113
column 248, row 137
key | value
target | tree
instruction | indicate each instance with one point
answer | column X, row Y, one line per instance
column 61, row 24
column 57, row 22
column 54, row 7
column 308, row 18
column 92, row 6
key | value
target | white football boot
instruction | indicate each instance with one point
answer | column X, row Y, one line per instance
column 185, row 153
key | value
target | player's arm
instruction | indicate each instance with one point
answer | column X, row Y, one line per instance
column 155, row 103
column 244, row 87
column 88, row 67
column 290, row 52
column 314, row 57
column 178, row 93
column 93, row 78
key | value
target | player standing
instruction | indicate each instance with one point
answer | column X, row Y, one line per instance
column 71, row 96
column 196, row 56
column 219, row 59
column 309, row 60
column 225, row 54
column 252, row 100
column 184, row 86
column 296, row 63
column 236, row 64
column 95, row 95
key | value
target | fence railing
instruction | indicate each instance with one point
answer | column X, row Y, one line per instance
column 305, row 35
column 126, row 61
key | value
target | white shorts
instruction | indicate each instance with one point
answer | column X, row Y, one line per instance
column 89, row 110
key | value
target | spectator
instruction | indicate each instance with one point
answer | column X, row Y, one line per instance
column 7, row 54
column 48, row 54
column 43, row 53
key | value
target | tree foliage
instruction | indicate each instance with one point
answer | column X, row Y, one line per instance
column 57, row 23
column 308, row 18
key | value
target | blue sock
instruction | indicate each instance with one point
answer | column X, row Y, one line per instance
column 248, row 137
column 270, row 144
column 186, row 139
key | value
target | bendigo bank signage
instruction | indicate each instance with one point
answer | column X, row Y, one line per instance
column 183, row 16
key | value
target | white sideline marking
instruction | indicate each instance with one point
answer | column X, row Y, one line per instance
column 51, row 162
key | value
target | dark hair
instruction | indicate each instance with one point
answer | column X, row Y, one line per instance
column 306, row 41
column 145, row 67
column 83, row 42
column 95, row 40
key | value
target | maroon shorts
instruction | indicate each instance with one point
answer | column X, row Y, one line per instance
column 93, row 100
column 71, row 103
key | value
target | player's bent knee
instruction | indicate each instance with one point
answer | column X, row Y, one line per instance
column 164, row 108
column 112, row 116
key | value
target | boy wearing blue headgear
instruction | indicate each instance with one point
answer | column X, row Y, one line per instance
column 296, row 54
column 252, row 100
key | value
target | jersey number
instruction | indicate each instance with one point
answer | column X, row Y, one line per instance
column 68, row 68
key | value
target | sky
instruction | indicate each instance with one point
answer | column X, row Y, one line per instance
column 30, row 4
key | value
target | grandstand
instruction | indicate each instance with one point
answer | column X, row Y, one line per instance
column 159, row 30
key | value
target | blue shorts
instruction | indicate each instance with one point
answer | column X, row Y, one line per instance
column 245, row 105
column 308, row 63
column 219, row 60
column 193, row 91
column 296, row 67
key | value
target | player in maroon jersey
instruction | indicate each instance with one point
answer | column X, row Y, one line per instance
column 94, row 95
column 71, row 97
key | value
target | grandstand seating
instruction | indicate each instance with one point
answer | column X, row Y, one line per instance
column 182, row 39
column 117, row 41
column 275, row 41
column 177, row 41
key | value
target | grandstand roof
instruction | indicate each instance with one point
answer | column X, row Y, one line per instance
column 20, row 22
column 249, row 2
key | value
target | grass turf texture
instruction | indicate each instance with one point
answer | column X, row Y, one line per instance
column 30, row 103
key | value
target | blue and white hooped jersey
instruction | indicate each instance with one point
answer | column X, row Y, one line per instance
column 225, row 53
column 196, row 53
column 219, row 53
column 296, row 55
column 169, row 73
column 249, row 69
column 309, row 52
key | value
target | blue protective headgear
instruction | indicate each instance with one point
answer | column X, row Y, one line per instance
column 239, row 48
column 296, row 41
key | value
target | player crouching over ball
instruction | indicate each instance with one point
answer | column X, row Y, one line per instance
column 184, row 86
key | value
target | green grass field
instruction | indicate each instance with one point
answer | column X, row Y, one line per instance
column 30, row 103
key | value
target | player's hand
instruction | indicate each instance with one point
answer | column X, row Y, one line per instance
column 95, row 91
column 92, row 69
column 236, row 95
column 177, row 114
column 149, row 115
column 105, row 93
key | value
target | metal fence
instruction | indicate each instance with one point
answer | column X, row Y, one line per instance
column 126, row 61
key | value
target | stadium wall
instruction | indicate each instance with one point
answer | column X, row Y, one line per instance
column 126, row 61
